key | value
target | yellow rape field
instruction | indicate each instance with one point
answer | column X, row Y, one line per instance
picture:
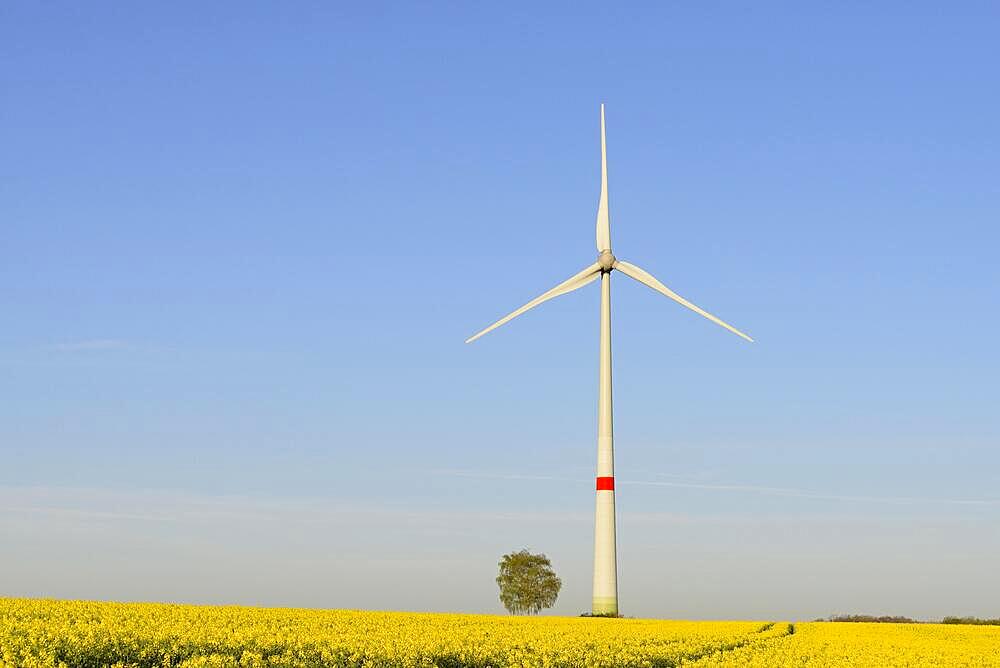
column 84, row 634
column 869, row 646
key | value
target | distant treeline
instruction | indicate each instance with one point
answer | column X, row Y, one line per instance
column 890, row 619
column 887, row 619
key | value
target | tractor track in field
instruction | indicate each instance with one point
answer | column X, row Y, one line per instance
column 753, row 639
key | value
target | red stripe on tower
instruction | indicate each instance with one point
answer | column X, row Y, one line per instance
column 605, row 482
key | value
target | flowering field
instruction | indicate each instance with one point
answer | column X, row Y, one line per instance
column 84, row 634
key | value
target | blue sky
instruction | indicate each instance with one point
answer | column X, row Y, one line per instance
column 241, row 247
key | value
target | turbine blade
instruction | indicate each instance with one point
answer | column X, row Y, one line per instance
column 603, row 220
column 569, row 285
column 649, row 280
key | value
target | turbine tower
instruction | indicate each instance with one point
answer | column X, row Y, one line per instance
column 605, row 600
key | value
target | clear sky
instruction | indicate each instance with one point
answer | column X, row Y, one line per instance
column 241, row 246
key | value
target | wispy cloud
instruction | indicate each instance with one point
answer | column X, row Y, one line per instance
column 91, row 344
column 737, row 488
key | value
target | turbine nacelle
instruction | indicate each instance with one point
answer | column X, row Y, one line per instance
column 606, row 260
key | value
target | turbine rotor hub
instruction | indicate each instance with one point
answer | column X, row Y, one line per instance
column 607, row 260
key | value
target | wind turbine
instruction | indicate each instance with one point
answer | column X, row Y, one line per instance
column 605, row 598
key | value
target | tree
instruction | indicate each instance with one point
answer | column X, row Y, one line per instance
column 527, row 582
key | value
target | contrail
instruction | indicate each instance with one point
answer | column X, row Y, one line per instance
column 753, row 489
